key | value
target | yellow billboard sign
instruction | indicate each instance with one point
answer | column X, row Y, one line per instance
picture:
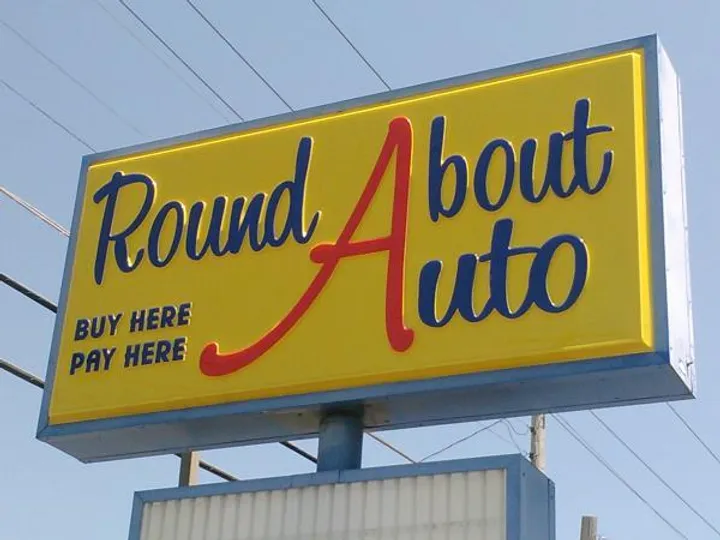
column 481, row 226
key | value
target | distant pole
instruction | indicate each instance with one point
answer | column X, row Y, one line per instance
column 537, row 442
column 588, row 528
column 189, row 466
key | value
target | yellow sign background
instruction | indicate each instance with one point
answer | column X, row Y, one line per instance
column 341, row 341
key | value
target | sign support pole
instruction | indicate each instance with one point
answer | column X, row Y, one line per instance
column 537, row 442
column 340, row 440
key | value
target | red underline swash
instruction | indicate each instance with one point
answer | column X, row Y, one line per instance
column 399, row 138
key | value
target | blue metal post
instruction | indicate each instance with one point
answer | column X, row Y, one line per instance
column 340, row 441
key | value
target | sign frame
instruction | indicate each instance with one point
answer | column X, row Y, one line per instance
column 668, row 373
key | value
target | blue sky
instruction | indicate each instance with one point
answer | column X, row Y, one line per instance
column 46, row 494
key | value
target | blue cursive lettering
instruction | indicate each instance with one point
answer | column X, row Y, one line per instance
column 256, row 220
column 525, row 165
column 462, row 299
column 111, row 191
column 437, row 167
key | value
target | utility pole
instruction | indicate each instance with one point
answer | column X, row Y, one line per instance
column 537, row 441
column 189, row 468
column 588, row 528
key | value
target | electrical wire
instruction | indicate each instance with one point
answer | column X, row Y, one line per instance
column 514, row 442
column 238, row 53
column 20, row 373
column 510, row 442
column 654, row 472
column 693, row 432
column 391, row 447
column 459, row 441
column 567, row 426
column 217, row 471
column 158, row 57
column 47, row 115
column 4, row 364
column 34, row 211
column 55, row 225
column 47, row 304
column 67, row 74
column 526, row 431
column 36, row 381
column 385, row 83
column 299, row 451
column 508, row 424
column 27, row 292
column 349, row 42
column 179, row 58
column 52, row 307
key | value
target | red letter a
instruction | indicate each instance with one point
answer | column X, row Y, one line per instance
column 399, row 139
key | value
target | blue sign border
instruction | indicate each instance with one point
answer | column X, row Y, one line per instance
column 529, row 494
column 668, row 373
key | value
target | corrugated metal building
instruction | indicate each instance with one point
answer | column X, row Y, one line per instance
column 500, row 498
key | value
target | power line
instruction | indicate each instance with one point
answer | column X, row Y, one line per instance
column 290, row 107
column 385, row 83
column 37, row 213
column 4, row 364
column 510, row 429
column 381, row 79
column 47, row 304
column 49, row 221
column 36, row 381
column 565, row 424
column 299, row 451
column 693, row 432
column 28, row 293
column 508, row 441
column 52, row 307
column 34, row 211
column 46, row 114
column 217, row 471
column 652, row 471
column 55, row 225
column 461, row 440
column 179, row 58
column 20, row 373
column 391, row 447
column 67, row 74
column 158, row 57
column 508, row 425
column 238, row 53
column 349, row 42
column 518, row 433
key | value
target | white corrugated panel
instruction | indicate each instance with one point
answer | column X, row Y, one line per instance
column 458, row 506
